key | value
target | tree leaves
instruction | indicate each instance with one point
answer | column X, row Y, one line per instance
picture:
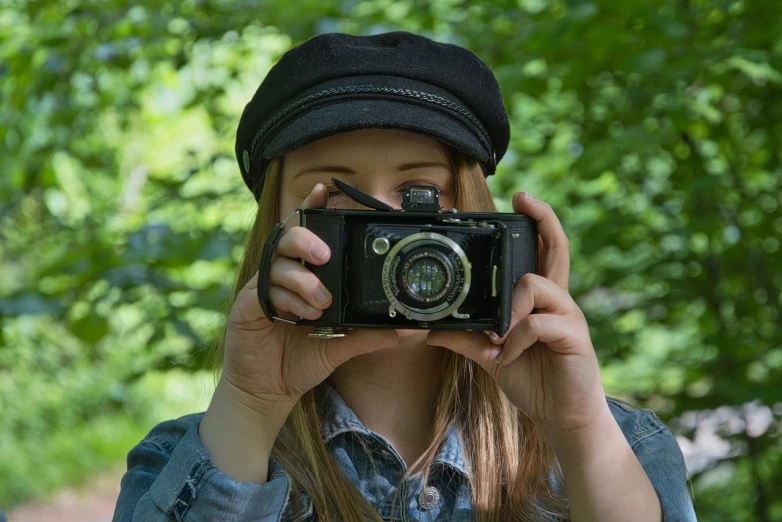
column 652, row 128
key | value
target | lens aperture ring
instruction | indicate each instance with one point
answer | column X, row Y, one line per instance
column 413, row 283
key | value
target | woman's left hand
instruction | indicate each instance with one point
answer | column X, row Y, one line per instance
column 549, row 368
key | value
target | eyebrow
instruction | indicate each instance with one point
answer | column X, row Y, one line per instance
column 339, row 169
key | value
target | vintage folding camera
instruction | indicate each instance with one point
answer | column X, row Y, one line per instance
column 418, row 267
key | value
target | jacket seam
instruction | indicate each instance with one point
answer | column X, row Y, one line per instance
column 161, row 443
column 645, row 433
column 339, row 428
column 288, row 486
column 648, row 423
column 189, row 491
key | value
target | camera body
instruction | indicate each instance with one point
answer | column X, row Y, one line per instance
column 419, row 267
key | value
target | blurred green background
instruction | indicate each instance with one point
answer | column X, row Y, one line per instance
column 653, row 127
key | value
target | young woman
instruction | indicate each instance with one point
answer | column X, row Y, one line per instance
column 397, row 424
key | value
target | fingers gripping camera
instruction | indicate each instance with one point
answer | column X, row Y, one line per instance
column 418, row 267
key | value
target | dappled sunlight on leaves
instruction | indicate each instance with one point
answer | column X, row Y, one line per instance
column 652, row 128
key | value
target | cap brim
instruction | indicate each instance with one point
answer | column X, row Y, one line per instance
column 357, row 114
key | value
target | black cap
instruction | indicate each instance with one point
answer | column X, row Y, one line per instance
column 336, row 83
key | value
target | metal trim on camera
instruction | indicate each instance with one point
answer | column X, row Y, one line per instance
column 403, row 256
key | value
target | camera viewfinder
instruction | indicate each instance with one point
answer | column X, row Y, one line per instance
column 421, row 198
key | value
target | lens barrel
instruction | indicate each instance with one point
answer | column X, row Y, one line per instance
column 426, row 276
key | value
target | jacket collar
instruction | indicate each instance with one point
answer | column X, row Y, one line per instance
column 336, row 418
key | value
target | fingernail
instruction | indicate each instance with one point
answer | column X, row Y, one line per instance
column 310, row 310
column 321, row 296
column 498, row 359
column 494, row 336
column 530, row 196
column 319, row 251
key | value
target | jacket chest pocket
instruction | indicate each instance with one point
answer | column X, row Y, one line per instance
column 384, row 511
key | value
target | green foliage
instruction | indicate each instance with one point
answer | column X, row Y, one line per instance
column 651, row 127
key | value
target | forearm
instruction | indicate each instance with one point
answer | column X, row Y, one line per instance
column 239, row 433
column 604, row 480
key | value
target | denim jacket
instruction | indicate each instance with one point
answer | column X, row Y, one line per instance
column 171, row 477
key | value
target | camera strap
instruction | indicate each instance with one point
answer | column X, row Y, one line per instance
column 265, row 265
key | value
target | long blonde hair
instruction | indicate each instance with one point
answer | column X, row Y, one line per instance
column 513, row 470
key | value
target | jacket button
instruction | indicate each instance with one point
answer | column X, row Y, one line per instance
column 429, row 498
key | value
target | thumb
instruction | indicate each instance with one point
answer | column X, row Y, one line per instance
column 359, row 341
column 474, row 345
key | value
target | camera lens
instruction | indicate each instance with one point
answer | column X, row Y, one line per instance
column 427, row 276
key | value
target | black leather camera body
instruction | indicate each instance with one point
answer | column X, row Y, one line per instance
column 420, row 267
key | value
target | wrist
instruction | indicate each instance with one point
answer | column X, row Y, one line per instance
column 262, row 415
column 239, row 432
column 587, row 440
column 265, row 407
column 248, row 417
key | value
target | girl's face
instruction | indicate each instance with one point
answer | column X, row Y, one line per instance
column 378, row 162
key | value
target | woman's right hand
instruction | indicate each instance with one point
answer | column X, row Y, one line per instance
column 275, row 362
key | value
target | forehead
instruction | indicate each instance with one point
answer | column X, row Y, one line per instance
column 375, row 145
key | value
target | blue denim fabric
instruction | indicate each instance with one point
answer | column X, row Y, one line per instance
column 170, row 475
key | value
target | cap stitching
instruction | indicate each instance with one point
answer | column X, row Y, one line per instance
column 365, row 89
